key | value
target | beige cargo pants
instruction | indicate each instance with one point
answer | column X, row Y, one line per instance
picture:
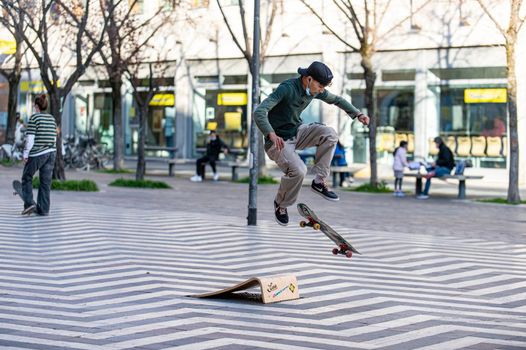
column 294, row 169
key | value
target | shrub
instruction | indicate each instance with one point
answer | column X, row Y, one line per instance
column 499, row 201
column 70, row 185
column 367, row 187
column 139, row 183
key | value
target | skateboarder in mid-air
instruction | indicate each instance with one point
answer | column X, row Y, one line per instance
column 278, row 118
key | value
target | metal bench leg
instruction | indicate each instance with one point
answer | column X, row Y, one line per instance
column 171, row 169
column 418, row 186
column 462, row 189
column 334, row 180
column 234, row 173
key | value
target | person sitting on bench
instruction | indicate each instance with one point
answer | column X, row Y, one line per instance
column 214, row 146
column 444, row 164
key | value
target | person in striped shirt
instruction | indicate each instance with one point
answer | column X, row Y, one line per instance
column 39, row 155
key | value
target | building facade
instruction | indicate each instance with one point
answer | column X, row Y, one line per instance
column 441, row 71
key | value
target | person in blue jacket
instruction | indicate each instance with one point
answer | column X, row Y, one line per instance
column 339, row 160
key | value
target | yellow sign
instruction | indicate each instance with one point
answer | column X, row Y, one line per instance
column 7, row 47
column 166, row 100
column 232, row 120
column 211, row 126
column 485, row 96
column 232, row 99
column 35, row 86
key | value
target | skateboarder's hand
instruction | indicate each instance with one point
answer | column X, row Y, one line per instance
column 25, row 160
column 278, row 141
column 363, row 119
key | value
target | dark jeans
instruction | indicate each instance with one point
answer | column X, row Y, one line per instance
column 201, row 163
column 44, row 164
column 439, row 171
column 343, row 177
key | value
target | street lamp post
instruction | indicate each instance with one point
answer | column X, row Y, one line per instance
column 252, row 190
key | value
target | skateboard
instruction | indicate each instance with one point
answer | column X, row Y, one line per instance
column 344, row 247
column 17, row 188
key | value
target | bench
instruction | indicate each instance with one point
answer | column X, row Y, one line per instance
column 461, row 182
column 234, row 166
column 171, row 161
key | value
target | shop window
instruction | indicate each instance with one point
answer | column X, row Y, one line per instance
column 226, row 113
column 475, row 121
column 461, row 116
column 102, row 123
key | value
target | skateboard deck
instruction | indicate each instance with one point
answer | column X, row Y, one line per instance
column 343, row 246
column 17, row 188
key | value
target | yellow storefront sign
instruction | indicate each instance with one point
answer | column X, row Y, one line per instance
column 35, row 86
column 7, row 47
column 165, row 100
column 232, row 99
column 485, row 96
column 232, row 120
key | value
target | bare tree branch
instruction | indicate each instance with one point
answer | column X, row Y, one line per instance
column 355, row 21
column 245, row 31
column 403, row 20
column 268, row 34
column 490, row 15
column 243, row 51
column 345, row 42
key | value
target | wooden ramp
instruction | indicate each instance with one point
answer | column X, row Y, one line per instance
column 273, row 289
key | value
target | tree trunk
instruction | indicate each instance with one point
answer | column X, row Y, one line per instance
column 118, row 138
column 56, row 112
column 370, row 78
column 513, row 185
column 141, row 162
column 12, row 104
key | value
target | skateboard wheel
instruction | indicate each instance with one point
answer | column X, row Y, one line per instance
column 316, row 226
column 348, row 254
column 303, row 223
column 335, row 251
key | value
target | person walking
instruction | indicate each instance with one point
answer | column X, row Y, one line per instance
column 278, row 118
column 399, row 164
column 214, row 147
column 39, row 155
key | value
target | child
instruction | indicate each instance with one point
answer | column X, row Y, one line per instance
column 400, row 162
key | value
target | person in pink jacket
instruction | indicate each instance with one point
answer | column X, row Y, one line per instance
column 400, row 162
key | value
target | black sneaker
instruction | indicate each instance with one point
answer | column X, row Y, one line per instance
column 282, row 217
column 324, row 191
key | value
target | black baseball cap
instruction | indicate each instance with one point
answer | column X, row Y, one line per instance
column 319, row 71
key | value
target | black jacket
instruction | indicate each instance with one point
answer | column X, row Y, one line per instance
column 213, row 148
column 445, row 157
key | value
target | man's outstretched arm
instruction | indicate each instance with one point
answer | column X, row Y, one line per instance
column 343, row 104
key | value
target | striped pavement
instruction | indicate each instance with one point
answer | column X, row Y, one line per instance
column 92, row 277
